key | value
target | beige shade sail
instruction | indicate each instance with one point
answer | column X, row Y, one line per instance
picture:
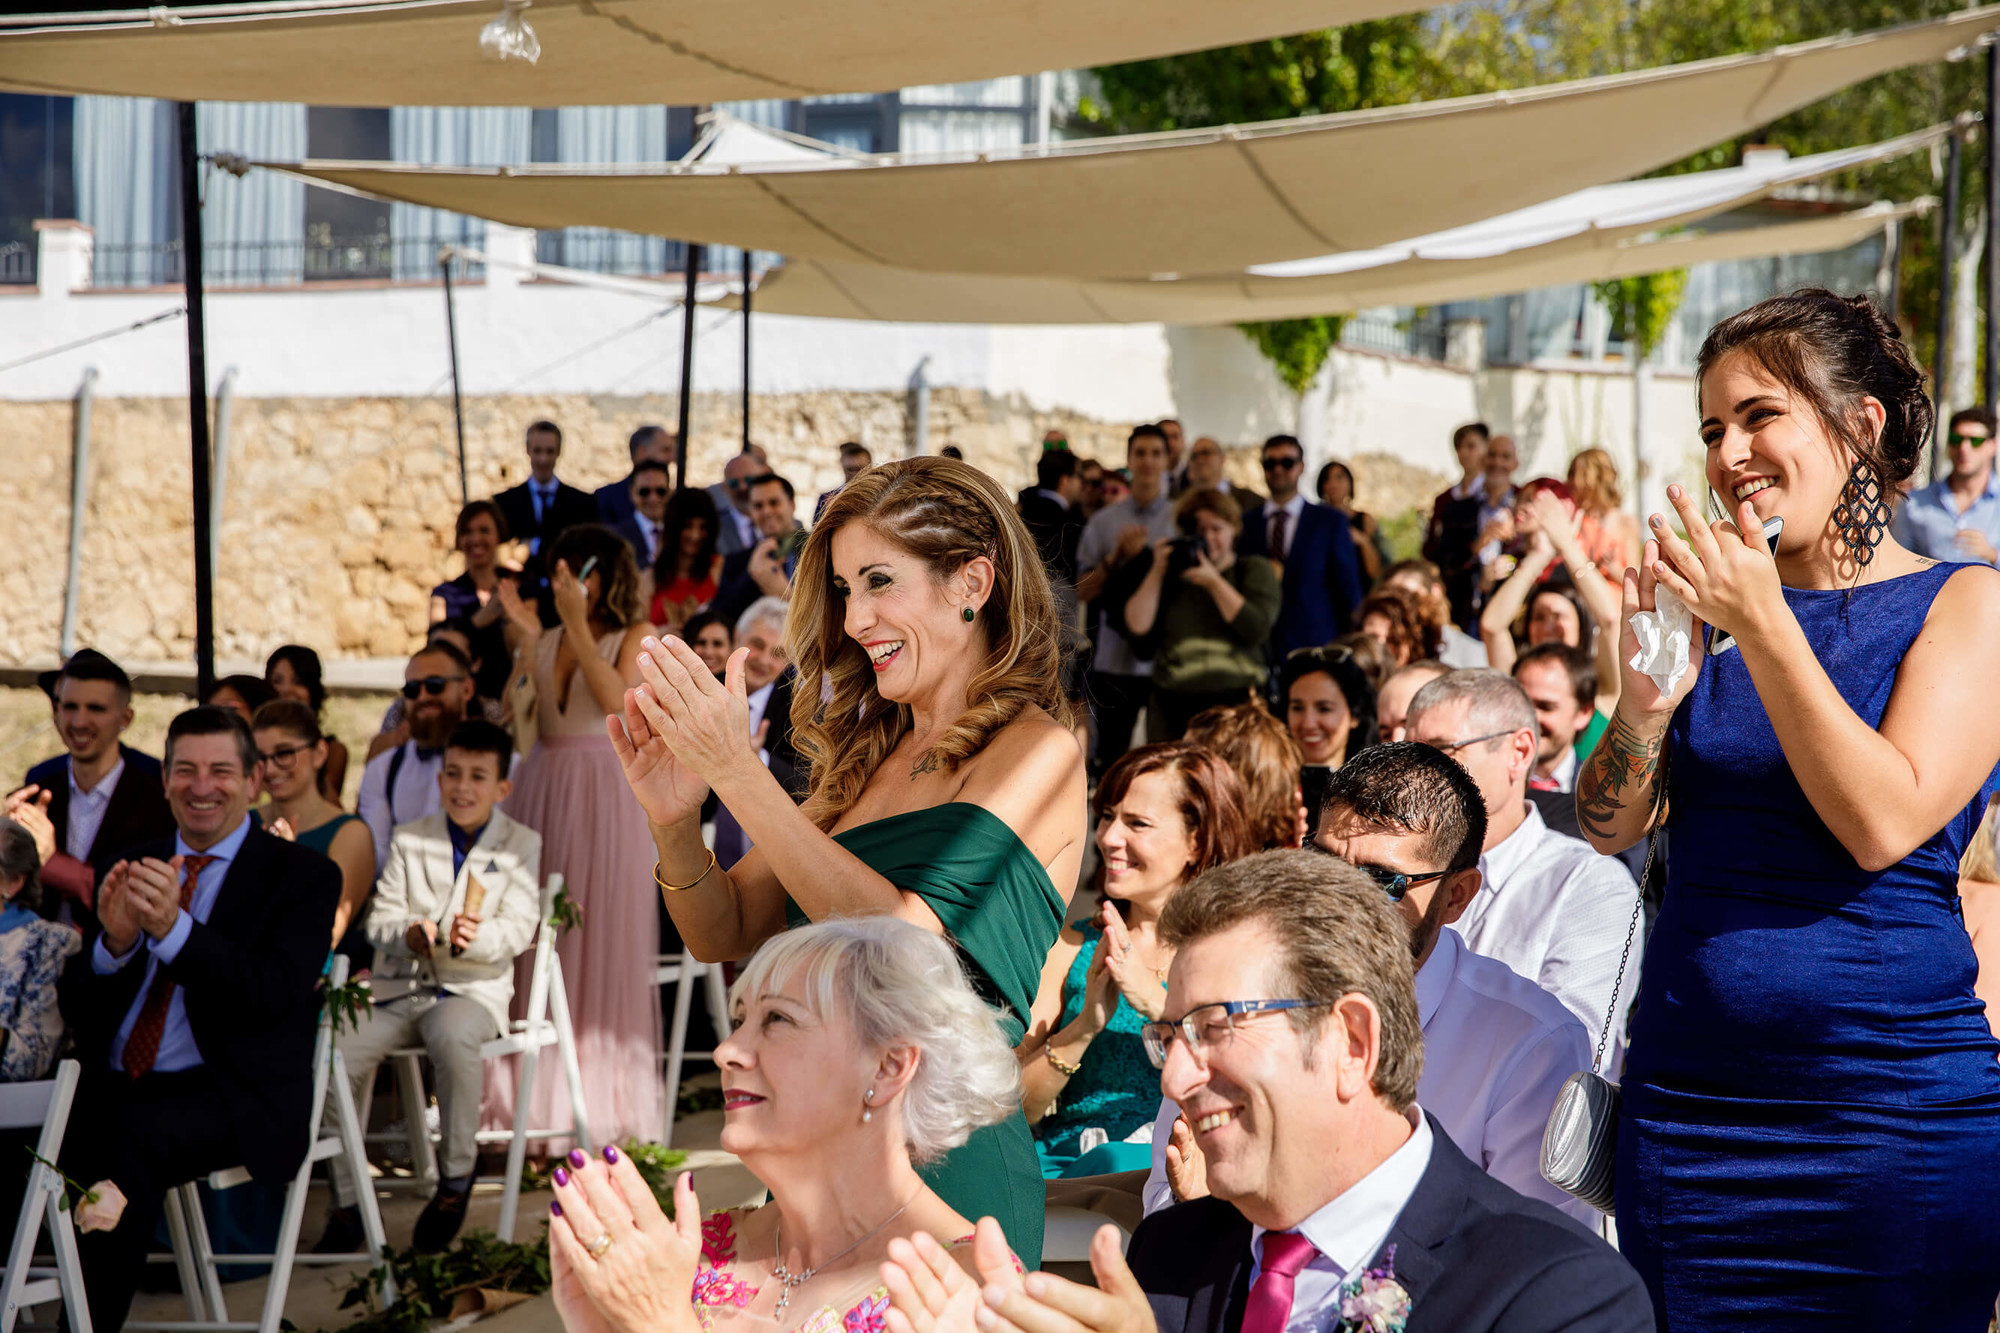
column 594, row 52
column 1198, row 202
column 837, row 290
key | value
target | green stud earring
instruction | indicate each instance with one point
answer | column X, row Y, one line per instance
column 968, row 613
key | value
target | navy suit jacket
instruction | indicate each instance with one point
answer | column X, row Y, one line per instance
column 614, row 501
column 1322, row 583
column 1474, row 1256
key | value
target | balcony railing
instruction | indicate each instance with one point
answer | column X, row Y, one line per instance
column 1420, row 334
column 17, row 264
column 275, row 263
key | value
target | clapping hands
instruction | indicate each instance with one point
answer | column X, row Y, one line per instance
column 929, row 1292
column 1140, row 985
column 618, row 1263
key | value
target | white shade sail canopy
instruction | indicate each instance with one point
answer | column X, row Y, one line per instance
column 598, row 52
column 1199, row 202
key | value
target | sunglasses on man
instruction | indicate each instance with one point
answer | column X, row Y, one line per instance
column 649, row 492
column 1969, row 441
column 1395, row 883
column 431, row 685
column 1283, row 464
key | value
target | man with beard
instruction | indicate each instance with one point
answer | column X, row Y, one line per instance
column 1497, row 1047
column 401, row 784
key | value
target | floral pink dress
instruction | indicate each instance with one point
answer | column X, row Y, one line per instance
column 718, row 1292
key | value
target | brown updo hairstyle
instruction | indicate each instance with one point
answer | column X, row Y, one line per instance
column 1210, row 798
column 1411, row 637
column 945, row 513
column 1264, row 754
column 1832, row 351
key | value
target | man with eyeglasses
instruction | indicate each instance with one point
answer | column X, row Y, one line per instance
column 652, row 486
column 1313, row 548
column 1549, row 906
column 401, row 784
column 1958, row 516
column 1291, row 1038
column 1497, row 1047
column 732, row 501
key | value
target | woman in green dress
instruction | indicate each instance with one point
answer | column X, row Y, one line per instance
column 946, row 787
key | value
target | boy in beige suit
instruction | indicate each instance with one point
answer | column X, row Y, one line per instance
column 456, row 901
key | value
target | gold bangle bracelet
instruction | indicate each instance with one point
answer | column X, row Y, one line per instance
column 1067, row 1071
column 683, row 888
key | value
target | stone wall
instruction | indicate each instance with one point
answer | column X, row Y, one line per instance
column 338, row 515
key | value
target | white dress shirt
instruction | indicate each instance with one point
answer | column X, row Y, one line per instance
column 177, row 1048
column 1497, row 1048
column 747, row 535
column 86, row 810
column 758, row 701
column 416, row 793
column 1349, row 1231
column 1557, row 912
column 651, row 532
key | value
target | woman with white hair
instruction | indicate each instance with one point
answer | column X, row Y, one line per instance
column 860, row 1052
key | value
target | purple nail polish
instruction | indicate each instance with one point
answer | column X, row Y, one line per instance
column 610, row 1153
column 561, row 1176
column 555, row 1209
column 577, row 1160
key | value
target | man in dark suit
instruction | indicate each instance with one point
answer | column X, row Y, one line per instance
column 855, row 459
column 540, row 508
column 732, row 500
column 649, row 444
column 1451, row 536
column 766, row 569
column 1313, row 549
column 1292, row 1044
column 194, row 1006
column 652, row 486
column 1052, row 511
column 102, row 796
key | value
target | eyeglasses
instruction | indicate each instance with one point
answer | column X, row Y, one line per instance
column 432, row 685
column 1395, row 883
column 1969, row 441
column 284, row 756
column 1283, row 464
column 1455, row 746
column 1210, row 1028
column 649, row 492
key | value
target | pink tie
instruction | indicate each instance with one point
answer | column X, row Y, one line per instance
column 1269, row 1309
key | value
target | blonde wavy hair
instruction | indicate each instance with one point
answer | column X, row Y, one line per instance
column 946, row 514
column 1593, row 480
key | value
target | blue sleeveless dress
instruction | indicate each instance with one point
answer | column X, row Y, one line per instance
column 1811, row 1116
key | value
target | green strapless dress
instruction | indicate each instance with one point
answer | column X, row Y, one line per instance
column 1002, row 914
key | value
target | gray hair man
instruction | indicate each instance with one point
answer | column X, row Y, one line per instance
column 1550, row 906
column 767, row 683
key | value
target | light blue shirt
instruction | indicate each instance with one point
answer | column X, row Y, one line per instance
column 177, row 1048
column 1928, row 522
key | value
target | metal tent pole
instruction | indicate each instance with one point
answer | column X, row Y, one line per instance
column 687, row 365
column 1947, row 243
column 204, row 570
column 445, row 256
column 746, row 351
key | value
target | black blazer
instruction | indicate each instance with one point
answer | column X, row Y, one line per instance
column 1322, row 577
column 1056, row 531
column 735, row 589
column 785, row 764
column 137, row 811
column 572, row 507
column 1473, row 1254
column 250, row 977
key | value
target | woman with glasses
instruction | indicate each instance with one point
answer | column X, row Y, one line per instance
column 685, row 574
column 293, row 750
column 570, row 789
column 1165, row 813
column 474, row 594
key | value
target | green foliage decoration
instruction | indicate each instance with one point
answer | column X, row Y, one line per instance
column 1296, row 348
column 1644, row 305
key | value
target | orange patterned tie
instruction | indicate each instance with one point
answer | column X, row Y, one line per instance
column 143, row 1046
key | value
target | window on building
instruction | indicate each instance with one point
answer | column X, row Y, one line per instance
column 346, row 236
column 37, row 178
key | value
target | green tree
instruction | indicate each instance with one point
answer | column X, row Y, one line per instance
column 1644, row 306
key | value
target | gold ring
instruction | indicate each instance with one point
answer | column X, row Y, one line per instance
column 599, row 1246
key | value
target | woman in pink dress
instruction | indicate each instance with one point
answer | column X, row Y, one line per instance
column 572, row 791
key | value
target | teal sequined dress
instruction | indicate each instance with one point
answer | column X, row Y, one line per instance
column 1115, row 1089
column 1002, row 914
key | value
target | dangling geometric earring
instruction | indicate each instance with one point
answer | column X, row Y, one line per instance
column 969, row 614
column 868, row 1107
column 1863, row 513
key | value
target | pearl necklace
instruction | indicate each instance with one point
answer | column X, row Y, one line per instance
column 788, row 1280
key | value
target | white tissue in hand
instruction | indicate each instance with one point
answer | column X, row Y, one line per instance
column 1665, row 640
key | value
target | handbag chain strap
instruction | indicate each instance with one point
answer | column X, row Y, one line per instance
column 1638, row 911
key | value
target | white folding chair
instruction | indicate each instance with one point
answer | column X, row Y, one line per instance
column 1067, row 1233
column 194, row 1256
column 545, row 1023
column 23, row 1106
column 683, row 972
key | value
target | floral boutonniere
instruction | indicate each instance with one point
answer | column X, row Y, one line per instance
column 1374, row 1302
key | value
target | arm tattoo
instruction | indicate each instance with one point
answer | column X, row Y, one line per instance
column 1620, row 769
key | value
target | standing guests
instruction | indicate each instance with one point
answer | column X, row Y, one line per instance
column 293, row 672
column 459, row 899
column 570, row 790
column 292, row 752
column 960, row 809
column 474, row 596
column 1497, row 534
column 1548, row 906
column 32, row 954
column 617, row 500
column 1204, row 473
column 1335, row 489
column 1530, row 608
column 1052, row 510
column 1313, row 548
column 194, row 1006
column 643, row 528
column 1120, row 682
column 688, row 571
column 1165, row 814
column 732, row 500
column 1812, row 1090
column 101, row 795
column 766, row 568
column 1957, row 517
column 401, row 782
column 854, row 460
column 1200, row 611
column 1609, row 535
column 541, row 508
column 1260, row 749
column 1421, row 579
column 1451, row 537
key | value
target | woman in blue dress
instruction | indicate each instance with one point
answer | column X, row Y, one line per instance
column 1810, row 1130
